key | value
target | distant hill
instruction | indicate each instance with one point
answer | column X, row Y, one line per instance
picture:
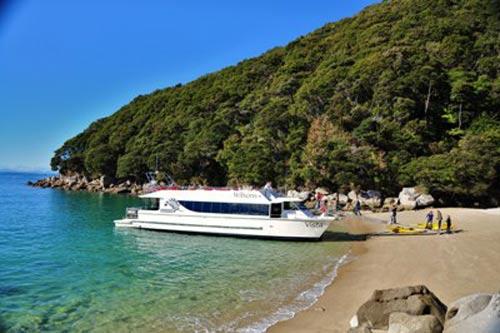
column 406, row 92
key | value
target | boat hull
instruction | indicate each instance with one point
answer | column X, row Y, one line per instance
column 229, row 225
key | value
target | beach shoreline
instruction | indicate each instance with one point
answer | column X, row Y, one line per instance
column 451, row 266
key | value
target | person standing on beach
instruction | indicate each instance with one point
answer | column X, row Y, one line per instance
column 357, row 207
column 394, row 212
column 429, row 219
column 319, row 197
column 448, row 224
column 323, row 207
column 439, row 218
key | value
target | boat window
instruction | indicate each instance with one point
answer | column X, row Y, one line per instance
column 225, row 208
column 293, row 205
column 152, row 204
column 276, row 210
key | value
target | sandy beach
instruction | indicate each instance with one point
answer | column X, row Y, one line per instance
column 451, row 266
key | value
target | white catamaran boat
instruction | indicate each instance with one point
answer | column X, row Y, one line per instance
column 256, row 213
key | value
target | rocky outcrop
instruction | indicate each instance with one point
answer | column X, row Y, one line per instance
column 370, row 199
column 414, row 301
column 417, row 310
column 342, row 198
column 409, row 198
column 400, row 322
column 413, row 197
column 425, row 200
column 474, row 313
column 76, row 182
column 389, row 203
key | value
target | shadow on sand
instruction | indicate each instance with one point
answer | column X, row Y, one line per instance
column 335, row 236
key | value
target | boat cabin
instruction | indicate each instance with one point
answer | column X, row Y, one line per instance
column 253, row 203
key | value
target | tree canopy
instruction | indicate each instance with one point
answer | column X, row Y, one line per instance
column 406, row 92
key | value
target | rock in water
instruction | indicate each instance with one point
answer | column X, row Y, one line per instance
column 417, row 300
column 474, row 313
column 404, row 323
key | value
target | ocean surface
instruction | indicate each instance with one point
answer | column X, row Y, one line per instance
column 64, row 267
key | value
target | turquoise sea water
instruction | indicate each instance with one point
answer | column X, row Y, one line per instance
column 64, row 267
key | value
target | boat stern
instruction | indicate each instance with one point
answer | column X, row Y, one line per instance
column 126, row 223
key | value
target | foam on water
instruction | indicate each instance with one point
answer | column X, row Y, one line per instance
column 303, row 301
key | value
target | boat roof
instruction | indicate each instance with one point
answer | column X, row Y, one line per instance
column 286, row 199
column 219, row 195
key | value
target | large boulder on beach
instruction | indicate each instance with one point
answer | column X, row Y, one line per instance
column 415, row 300
column 304, row 195
column 408, row 198
column 360, row 329
column 342, row 198
column 389, row 202
column 474, row 313
column 400, row 322
column 413, row 197
column 368, row 199
column 425, row 200
column 371, row 198
column 352, row 195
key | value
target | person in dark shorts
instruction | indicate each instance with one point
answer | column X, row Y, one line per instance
column 439, row 218
column 448, row 224
column 357, row 208
column 394, row 213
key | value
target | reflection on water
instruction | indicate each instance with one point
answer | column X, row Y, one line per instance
column 65, row 267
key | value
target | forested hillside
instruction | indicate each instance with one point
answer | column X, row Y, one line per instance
column 406, row 92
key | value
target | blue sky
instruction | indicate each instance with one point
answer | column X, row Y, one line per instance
column 64, row 64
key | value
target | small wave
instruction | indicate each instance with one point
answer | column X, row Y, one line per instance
column 302, row 302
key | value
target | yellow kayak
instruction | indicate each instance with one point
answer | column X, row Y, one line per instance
column 406, row 230
column 434, row 226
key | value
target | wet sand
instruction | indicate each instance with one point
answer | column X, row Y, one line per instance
column 451, row 266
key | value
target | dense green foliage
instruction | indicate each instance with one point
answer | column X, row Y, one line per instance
column 406, row 92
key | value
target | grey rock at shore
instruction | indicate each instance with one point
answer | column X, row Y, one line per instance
column 412, row 197
column 416, row 300
column 474, row 313
column 400, row 322
column 106, row 181
column 368, row 199
column 360, row 329
column 76, row 182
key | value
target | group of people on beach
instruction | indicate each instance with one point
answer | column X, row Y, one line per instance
column 429, row 219
column 324, row 205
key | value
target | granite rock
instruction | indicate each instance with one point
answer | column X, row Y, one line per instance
column 474, row 313
column 416, row 300
column 400, row 322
